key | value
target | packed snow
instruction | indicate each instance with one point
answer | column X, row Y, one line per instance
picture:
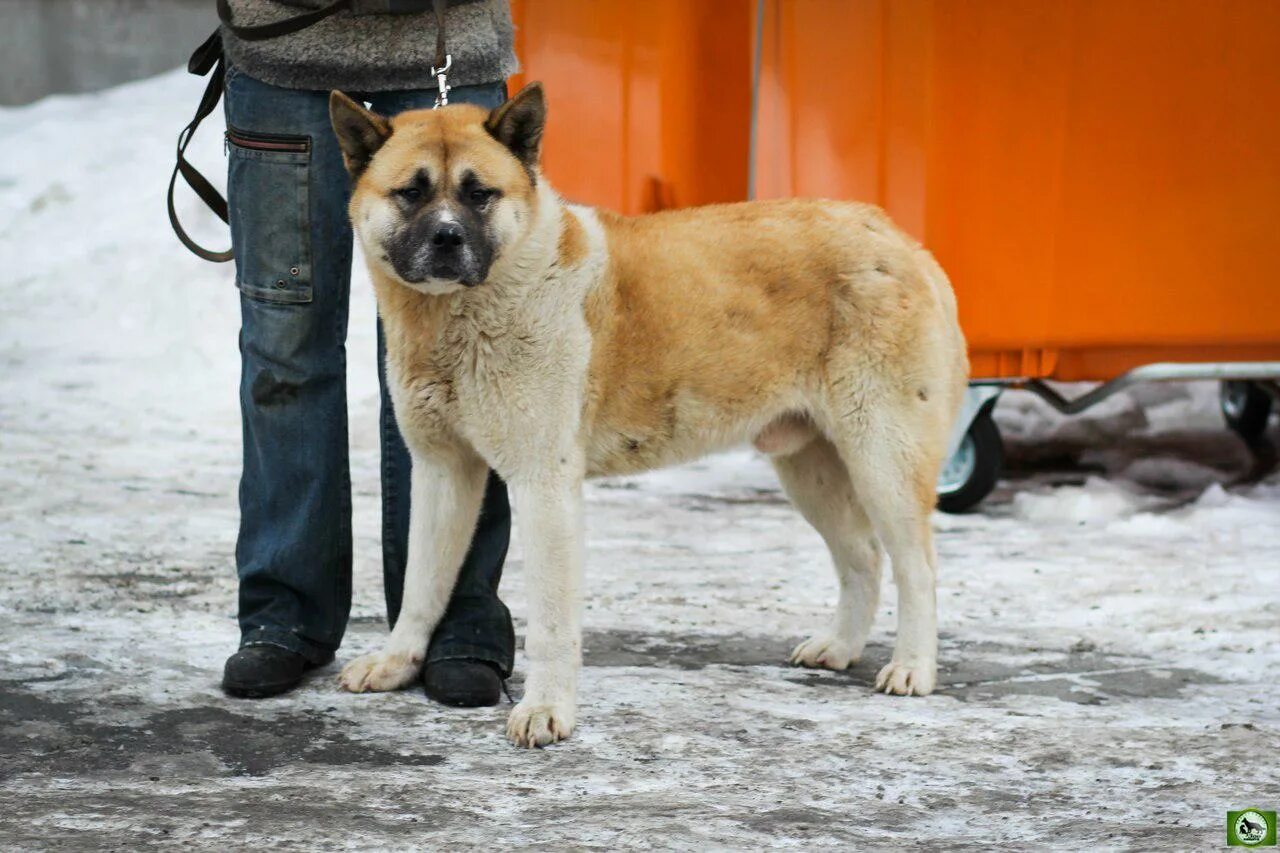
column 1110, row 670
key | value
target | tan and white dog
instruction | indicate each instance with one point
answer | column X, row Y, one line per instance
column 554, row 342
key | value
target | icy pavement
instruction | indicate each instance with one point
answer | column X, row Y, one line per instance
column 1111, row 617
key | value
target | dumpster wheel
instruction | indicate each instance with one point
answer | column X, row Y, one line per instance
column 1245, row 406
column 972, row 471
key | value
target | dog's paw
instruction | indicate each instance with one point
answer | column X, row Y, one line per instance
column 908, row 678
column 539, row 724
column 380, row 672
column 824, row 653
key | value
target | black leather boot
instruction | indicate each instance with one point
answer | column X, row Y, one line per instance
column 462, row 683
column 255, row 672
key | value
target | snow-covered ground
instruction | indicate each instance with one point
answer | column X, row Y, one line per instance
column 1110, row 617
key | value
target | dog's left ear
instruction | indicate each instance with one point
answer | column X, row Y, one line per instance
column 360, row 132
column 518, row 124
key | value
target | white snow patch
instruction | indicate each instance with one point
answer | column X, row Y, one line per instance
column 1096, row 502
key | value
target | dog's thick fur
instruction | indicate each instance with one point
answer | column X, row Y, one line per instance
column 594, row 344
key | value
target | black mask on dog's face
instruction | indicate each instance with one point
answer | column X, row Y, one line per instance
column 444, row 234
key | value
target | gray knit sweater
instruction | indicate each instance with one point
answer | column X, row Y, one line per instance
column 373, row 53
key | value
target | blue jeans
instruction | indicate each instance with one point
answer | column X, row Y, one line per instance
column 288, row 191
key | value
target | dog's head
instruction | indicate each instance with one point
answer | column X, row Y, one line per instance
column 439, row 195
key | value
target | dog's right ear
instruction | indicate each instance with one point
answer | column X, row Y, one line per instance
column 360, row 132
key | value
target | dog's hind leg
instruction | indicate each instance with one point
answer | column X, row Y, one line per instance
column 818, row 484
column 890, row 460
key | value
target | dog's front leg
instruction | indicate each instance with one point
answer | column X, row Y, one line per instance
column 549, row 507
column 445, row 496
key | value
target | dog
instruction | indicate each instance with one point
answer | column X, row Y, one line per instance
column 1250, row 827
column 553, row 342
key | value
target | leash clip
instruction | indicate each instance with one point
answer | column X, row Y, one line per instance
column 442, row 82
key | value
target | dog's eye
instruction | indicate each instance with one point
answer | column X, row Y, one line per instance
column 480, row 196
column 410, row 193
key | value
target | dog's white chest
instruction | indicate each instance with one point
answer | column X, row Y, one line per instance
column 497, row 387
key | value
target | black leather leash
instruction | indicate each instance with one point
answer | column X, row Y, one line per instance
column 279, row 28
column 443, row 60
column 209, row 57
column 357, row 7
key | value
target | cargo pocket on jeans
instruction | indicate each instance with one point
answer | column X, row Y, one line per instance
column 269, row 189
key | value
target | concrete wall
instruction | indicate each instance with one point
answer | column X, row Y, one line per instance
column 49, row 46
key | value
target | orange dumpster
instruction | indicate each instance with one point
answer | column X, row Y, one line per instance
column 1101, row 180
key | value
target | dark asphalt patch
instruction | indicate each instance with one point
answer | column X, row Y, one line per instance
column 45, row 735
column 969, row 671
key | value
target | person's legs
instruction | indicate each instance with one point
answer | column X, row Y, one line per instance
column 287, row 192
column 477, row 625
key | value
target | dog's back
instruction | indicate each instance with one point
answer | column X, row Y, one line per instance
column 711, row 323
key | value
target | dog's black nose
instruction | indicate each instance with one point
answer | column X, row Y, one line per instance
column 448, row 236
